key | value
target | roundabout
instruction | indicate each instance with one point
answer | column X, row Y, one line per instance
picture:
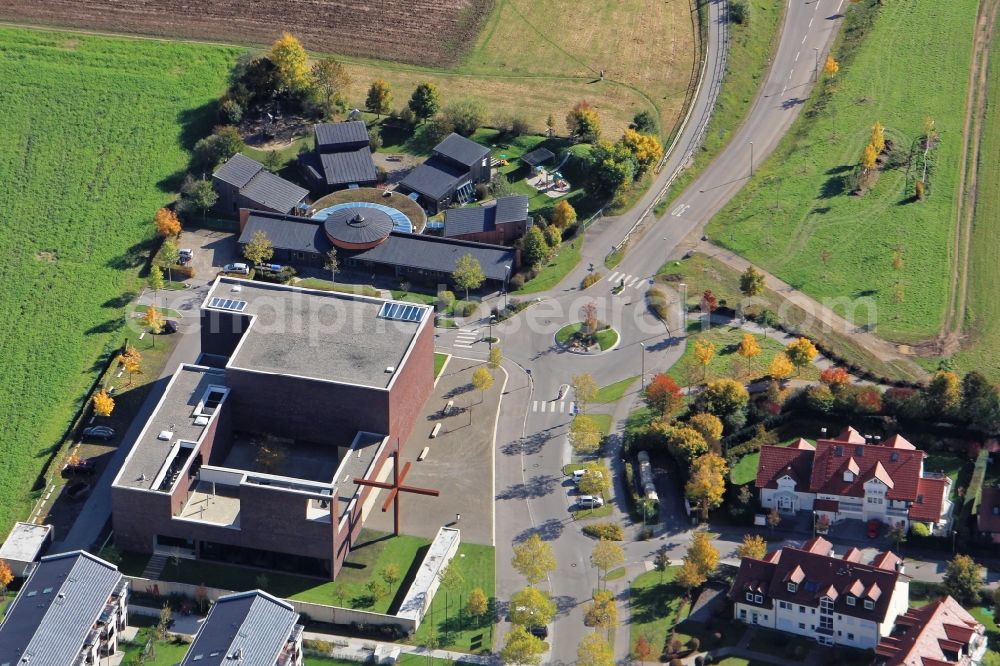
column 573, row 338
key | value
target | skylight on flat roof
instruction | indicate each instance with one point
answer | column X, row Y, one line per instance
column 401, row 312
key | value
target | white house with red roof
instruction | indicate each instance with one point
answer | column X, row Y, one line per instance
column 811, row 592
column 942, row 633
column 848, row 478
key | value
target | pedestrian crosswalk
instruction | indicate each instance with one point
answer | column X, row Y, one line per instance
column 466, row 337
column 629, row 281
column 553, row 406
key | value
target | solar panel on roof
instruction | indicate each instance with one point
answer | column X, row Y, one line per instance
column 401, row 312
column 227, row 304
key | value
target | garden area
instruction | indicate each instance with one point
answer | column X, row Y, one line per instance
column 580, row 337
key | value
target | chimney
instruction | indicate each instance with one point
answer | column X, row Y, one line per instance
column 900, row 567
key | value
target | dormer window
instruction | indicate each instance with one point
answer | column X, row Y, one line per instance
column 920, row 499
column 852, row 600
column 750, row 596
column 758, row 598
column 869, row 604
column 838, row 451
column 848, row 476
column 793, row 587
column 996, row 511
column 859, row 450
column 894, row 456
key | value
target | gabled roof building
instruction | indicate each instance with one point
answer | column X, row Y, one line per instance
column 811, row 592
column 848, row 478
column 942, row 633
column 249, row 629
column 69, row 612
column 342, row 158
column 450, row 174
column 501, row 222
column 244, row 183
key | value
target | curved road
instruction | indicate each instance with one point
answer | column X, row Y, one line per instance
column 532, row 495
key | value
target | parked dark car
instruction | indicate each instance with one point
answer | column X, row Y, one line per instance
column 81, row 468
column 98, row 432
column 78, row 490
column 169, row 326
column 539, row 632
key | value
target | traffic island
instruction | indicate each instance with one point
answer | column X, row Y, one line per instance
column 582, row 339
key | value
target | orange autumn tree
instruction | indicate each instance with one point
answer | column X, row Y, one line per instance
column 663, row 395
column 167, row 223
column 104, row 404
column 6, row 577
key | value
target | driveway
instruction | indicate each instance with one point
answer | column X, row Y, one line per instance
column 212, row 251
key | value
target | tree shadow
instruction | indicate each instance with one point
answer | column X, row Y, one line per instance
column 197, row 123
column 109, row 326
column 133, row 257
column 565, row 603
column 118, row 302
column 837, row 170
column 459, row 390
column 833, row 187
column 527, row 445
column 862, row 293
column 534, row 488
column 550, row 530
column 821, row 210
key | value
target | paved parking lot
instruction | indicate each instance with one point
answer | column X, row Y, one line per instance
column 212, row 251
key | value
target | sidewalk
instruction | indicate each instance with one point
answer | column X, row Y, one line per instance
column 361, row 649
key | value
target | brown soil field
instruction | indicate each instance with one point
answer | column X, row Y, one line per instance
column 401, row 30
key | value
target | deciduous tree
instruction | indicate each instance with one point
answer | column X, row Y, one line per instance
column 646, row 148
column 707, row 483
column 522, row 649
column 468, row 274
column 773, row 518
column 661, row 561
column 878, row 137
column 689, row 577
column 104, row 404
column 534, row 559
column 531, row 607
column 477, row 605
column 753, row 546
column 601, row 613
column 200, row 194
column 167, row 223
column 452, row 581
column 725, row 398
column 583, row 122
column 535, row 247
column 684, row 443
column 379, row 98
column 980, row 401
column 868, row 157
column 332, row 264
column 801, row 353
column 584, row 434
column 260, row 249
column 663, row 395
column 702, row 553
column 390, row 574
column 943, row 395
column 131, row 360
column 749, row 348
column 963, row 578
column 425, row 101
column 707, row 425
column 704, row 351
column 330, row 79
column 291, row 62
column 482, row 381
column 563, row 215
column 835, row 377
column 152, row 320
column 642, row 650
column 605, row 556
column 831, row 66
column 597, row 480
column 584, row 390
column 6, row 577
column 780, row 367
column 155, row 280
column 495, row 358
column 594, row 650
column 169, row 254
column 751, row 282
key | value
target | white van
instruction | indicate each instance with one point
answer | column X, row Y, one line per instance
column 590, row 501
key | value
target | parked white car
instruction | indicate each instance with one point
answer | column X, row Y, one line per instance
column 590, row 501
column 241, row 269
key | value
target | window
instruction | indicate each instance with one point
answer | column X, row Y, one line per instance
column 758, row 598
column 920, row 499
column 749, row 596
column 826, row 622
column 869, row 604
column 826, row 605
column 802, row 609
column 743, row 613
column 894, row 456
column 784, row 604
column 850, row 636
column 838, row 451
column 852, row 600
column 859, row 450
column 848, row 476
column 792, row 587
column 802, row 625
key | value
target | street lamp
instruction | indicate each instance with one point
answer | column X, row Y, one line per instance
column 458, row 517
column 751, row 159
column 506, row 276
column 684, row 306
column 492, row 319
column 642, row 356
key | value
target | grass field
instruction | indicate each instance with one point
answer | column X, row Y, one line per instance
column 439, row 361
column 82, row 169
column 982, row 323
column 795, row 217
column 727, row 363
column 167, row 653
column 554, row 271
column 615, row 392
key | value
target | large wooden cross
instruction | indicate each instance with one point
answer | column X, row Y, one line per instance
column 396, row 487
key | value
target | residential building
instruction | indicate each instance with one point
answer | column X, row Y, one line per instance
column 244, row 183
column 69, row 612
column 450, row 174
column 849, row 478
column 941, row 633
column 811, row 592
column 500, row 222
column 370, row 245
column 24, row 545
column 248, row 629
column 251, row 454
column 988, row 518
column 342, row 157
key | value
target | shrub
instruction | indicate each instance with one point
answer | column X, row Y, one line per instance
column 482, row 191
column 445, row 299
column 608, row 531
column 591, row 280
column 657, row 301
column 436, row 130
column 516, row 282
column 738, row 12
column 230, row 112
column 694, row 643
column 919, row 529
column 466, row 308
column 519, row 126
column 465, row 116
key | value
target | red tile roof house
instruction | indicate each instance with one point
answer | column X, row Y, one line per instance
column 988, row 518
column 938, row 634
column 811, row 592
column 846, row 478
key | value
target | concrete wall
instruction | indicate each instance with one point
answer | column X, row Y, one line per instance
column 412, row 386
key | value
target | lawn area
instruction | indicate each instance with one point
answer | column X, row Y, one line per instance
column 982, row 320
column 326, row 285
column 745, row 469
column 554, row 271
column 102, row 162
column 439, row 361
column 603, row 421
column 430, row 299
column 375, row 552
column 454, row 629
column 701, row 272
column 615, row 392
column 751, row 45
column 655, row 603
column 528, row 62
column 727, row 362
column 796, row 217
column 957, row 468
column 168, row 653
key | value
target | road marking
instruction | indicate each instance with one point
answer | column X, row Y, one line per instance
column 791, row 72
column 797, row 53
column 534, row 405
column 810, row 23
column 553, row 406
column 614, row 276
column 804, row 38
column 562, row 406
column 680, row 209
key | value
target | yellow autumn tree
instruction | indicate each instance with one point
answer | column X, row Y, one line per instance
column 152, row 320
column 753, row 546
column 868, row 157
column 749, row 348
column 704, row 351
column 104, row 404
column 563, row 214
column 167, row 223
column 801, row 353
column 831, row 66
column 878, row 137
column 646, row 148
column 131, row 361
column 780, row 368
column 291, row 61
column 707, row 485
